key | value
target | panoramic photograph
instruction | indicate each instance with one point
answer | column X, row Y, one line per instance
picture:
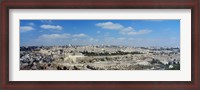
column 99, row 44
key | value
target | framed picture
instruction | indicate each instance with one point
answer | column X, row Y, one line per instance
column 129, row 44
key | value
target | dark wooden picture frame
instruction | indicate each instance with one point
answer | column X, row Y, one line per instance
column 194, row 84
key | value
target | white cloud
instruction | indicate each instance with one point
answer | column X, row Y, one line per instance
column 106, row 34
column 98, row 32
column 121, row 38
column 62, row 36
column 64, row 39
column 26, row 28
column 80, row 35
column 93, row 39
column 31, row 24
column 109, row 25
column 133, row 32
column 55, row 27
column 122, row 29
column 128, row 29
column 55, row 36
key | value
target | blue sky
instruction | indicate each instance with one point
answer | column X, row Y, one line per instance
column 165, row 33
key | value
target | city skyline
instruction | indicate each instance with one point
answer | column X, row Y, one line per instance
column 98, row 32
